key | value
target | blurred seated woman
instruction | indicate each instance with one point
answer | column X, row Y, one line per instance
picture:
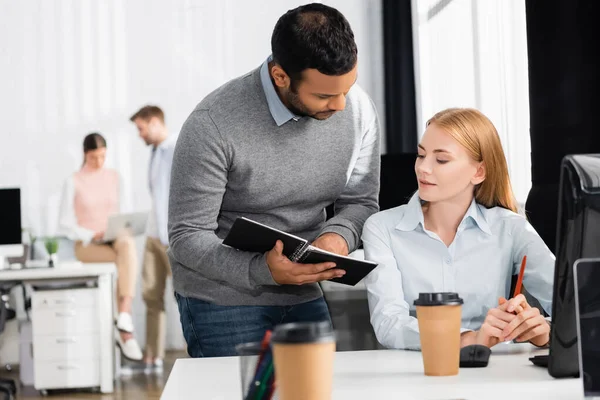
column 90, row 195
column 459, row 233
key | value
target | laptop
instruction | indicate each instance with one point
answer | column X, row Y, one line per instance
column 133, row 224
column 587, row 308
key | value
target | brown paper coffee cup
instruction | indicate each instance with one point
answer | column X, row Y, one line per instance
column 439, row 318
column 303, row 354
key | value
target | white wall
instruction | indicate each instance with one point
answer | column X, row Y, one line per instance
column 70, row 67
column 473, row 53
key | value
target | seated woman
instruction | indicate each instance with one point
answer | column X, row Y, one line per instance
column 90, row 195
column 459, row 233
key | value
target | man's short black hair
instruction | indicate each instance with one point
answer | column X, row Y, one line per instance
column 314, row 36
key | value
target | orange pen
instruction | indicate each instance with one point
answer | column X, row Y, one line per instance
column 520, row 279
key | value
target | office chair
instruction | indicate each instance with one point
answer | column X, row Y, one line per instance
column 8, row 387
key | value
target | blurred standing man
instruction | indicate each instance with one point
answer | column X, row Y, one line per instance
column 150, row 122
column 277, row 145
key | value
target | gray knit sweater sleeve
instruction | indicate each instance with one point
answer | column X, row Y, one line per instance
column 359, row 200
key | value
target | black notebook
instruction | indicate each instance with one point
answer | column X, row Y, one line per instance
column 248, row 235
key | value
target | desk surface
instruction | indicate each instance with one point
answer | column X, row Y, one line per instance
column 386, row 374
column 64, row 270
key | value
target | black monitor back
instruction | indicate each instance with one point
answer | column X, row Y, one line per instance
column 577, row 235
column 10, row 216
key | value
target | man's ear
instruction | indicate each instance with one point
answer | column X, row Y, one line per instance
column 153, row 124
column 479, row 175
column 280, row 77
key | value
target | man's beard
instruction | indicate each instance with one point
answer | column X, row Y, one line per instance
column 296, row 106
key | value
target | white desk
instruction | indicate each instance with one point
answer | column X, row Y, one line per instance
column 103, row 274
column 390, row 374
column 66, row 270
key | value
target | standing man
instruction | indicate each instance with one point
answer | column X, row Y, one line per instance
column 150, row 122
column 277, row 145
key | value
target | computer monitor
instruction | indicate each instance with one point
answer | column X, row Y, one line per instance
column 10, row 224
column 577, row 236
column 587, row 300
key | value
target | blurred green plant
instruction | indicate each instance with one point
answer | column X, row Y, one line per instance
column 51, row 244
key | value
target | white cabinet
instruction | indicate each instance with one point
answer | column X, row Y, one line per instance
column 66, row 338
column 72, row 330
column 66, row 347
column 78, row 373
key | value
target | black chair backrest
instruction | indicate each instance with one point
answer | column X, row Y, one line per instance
column 6, row 313
column 398, row 180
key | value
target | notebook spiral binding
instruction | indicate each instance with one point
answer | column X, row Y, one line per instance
column 299, row 252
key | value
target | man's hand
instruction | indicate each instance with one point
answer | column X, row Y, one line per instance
column 332, row 242
column 286, row 272
column 528, row 325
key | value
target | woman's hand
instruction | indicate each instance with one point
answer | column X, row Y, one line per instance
column 528, row 325
column 496, row 320
column 98, row 236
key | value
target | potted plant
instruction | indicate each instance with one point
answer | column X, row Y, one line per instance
column 52, row 247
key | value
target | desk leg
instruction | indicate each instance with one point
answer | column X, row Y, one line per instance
column 107, row 331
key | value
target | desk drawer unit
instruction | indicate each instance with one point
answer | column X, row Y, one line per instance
column 66, row 344
column 80, row 298
column 66, row 347
column 66, row 374
column 67, row 321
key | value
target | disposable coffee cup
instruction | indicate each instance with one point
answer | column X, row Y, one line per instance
column 303, row 354
column 439, row 317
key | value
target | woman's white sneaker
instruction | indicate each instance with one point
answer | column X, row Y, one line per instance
column 130, row 349
column 125, row 322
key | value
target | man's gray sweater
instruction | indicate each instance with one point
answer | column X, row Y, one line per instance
column 232, row 160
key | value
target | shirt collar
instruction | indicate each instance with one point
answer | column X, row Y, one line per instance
column 475, row 214
column 165, row 143
column 280, row 113
column 413, row 216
